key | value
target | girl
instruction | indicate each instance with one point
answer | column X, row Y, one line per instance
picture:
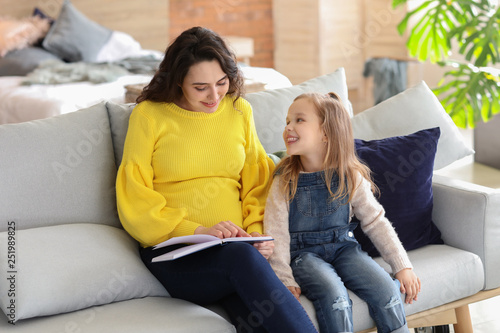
column 192, row 164
column 316, row 190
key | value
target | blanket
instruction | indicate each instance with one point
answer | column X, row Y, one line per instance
column 59, row 72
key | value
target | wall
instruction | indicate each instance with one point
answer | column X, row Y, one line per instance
column 147, row 24
column 244, row 18
column 315, row 37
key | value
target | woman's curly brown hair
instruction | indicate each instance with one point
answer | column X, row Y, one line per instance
column 189, row 48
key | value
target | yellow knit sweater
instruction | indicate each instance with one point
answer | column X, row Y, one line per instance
column 184, row 169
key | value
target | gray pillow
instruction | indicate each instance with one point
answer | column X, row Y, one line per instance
column 118, row 123
column 70, row 267
column 21, row 62
column 414, row 109
column 58, row 170
column 74, row 37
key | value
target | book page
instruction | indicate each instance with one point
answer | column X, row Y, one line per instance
column 199, row 244
column 202, row 238
column 247, row 239
column 191, row 239
column 185, row 250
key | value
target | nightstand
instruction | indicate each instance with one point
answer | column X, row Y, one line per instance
column 132, row 91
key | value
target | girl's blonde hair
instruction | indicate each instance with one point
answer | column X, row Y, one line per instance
column 340, row 157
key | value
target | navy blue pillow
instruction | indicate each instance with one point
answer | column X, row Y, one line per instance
column 402, row 169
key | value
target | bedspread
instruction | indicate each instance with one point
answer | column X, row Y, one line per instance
column 59, row 72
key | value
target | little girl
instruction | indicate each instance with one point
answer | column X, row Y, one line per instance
column 318, row 187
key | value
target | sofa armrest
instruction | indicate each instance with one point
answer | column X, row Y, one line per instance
column 468, row 216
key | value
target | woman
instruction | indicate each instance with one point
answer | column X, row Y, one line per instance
column 193, row 164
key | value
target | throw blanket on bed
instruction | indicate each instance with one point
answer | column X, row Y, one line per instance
column 140, row 65
column 59, row 72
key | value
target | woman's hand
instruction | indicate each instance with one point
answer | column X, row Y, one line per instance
column 265, row 248
column 295, row 291
column 224, row 229
column 410, row 284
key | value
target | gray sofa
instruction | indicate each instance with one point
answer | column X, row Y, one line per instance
column 66, row 265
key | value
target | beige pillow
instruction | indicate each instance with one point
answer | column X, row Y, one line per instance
column 17, row 34
column 412, row 110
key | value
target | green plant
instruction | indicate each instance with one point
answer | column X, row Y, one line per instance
column 470, row 90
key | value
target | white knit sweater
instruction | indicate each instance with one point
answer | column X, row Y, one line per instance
column 363, row 205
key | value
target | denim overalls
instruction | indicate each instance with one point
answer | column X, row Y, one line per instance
column 326, row 259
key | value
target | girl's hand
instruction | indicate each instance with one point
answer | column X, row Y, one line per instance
column 265, row 248
column 410, row 284
column 224, row 229
column 295, row 291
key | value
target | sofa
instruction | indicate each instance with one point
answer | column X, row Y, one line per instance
column 67, row 265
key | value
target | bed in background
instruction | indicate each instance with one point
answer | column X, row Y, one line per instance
column 82, row 58
column 60, row 56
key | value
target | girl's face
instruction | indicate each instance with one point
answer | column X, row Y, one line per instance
column 204, row 86
column 303, row 134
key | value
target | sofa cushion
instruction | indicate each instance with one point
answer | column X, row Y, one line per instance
column 73, row 37
column 447, row 274
column 402, row 169
column 150, row 314
column 270, row 107
column 58, row 170
column 118, row 122
column 414, row 109
column 70, row 267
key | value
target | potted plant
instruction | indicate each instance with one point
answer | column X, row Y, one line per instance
column 470, row 88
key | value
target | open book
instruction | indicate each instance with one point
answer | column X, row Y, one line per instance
column 198, row 243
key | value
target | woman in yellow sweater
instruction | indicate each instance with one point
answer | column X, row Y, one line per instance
column 193, row 164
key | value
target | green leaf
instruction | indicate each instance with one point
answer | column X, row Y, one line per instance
column 442, row 19
column 469, row 95
column 486, row 109
column 467, row 92
column 482, row 40
column 397, row 3
column 404, row 22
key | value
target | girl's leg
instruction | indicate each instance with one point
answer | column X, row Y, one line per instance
column 322, row 286
column 216, row 273
column 374, row 285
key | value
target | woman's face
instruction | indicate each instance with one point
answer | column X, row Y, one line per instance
column 204, row 86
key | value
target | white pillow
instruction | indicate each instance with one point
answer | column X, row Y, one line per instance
column 119, row 46
column 271, row 106
column 69, row 267
column 414, row 109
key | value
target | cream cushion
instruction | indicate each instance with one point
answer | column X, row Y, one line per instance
column 415, row 109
